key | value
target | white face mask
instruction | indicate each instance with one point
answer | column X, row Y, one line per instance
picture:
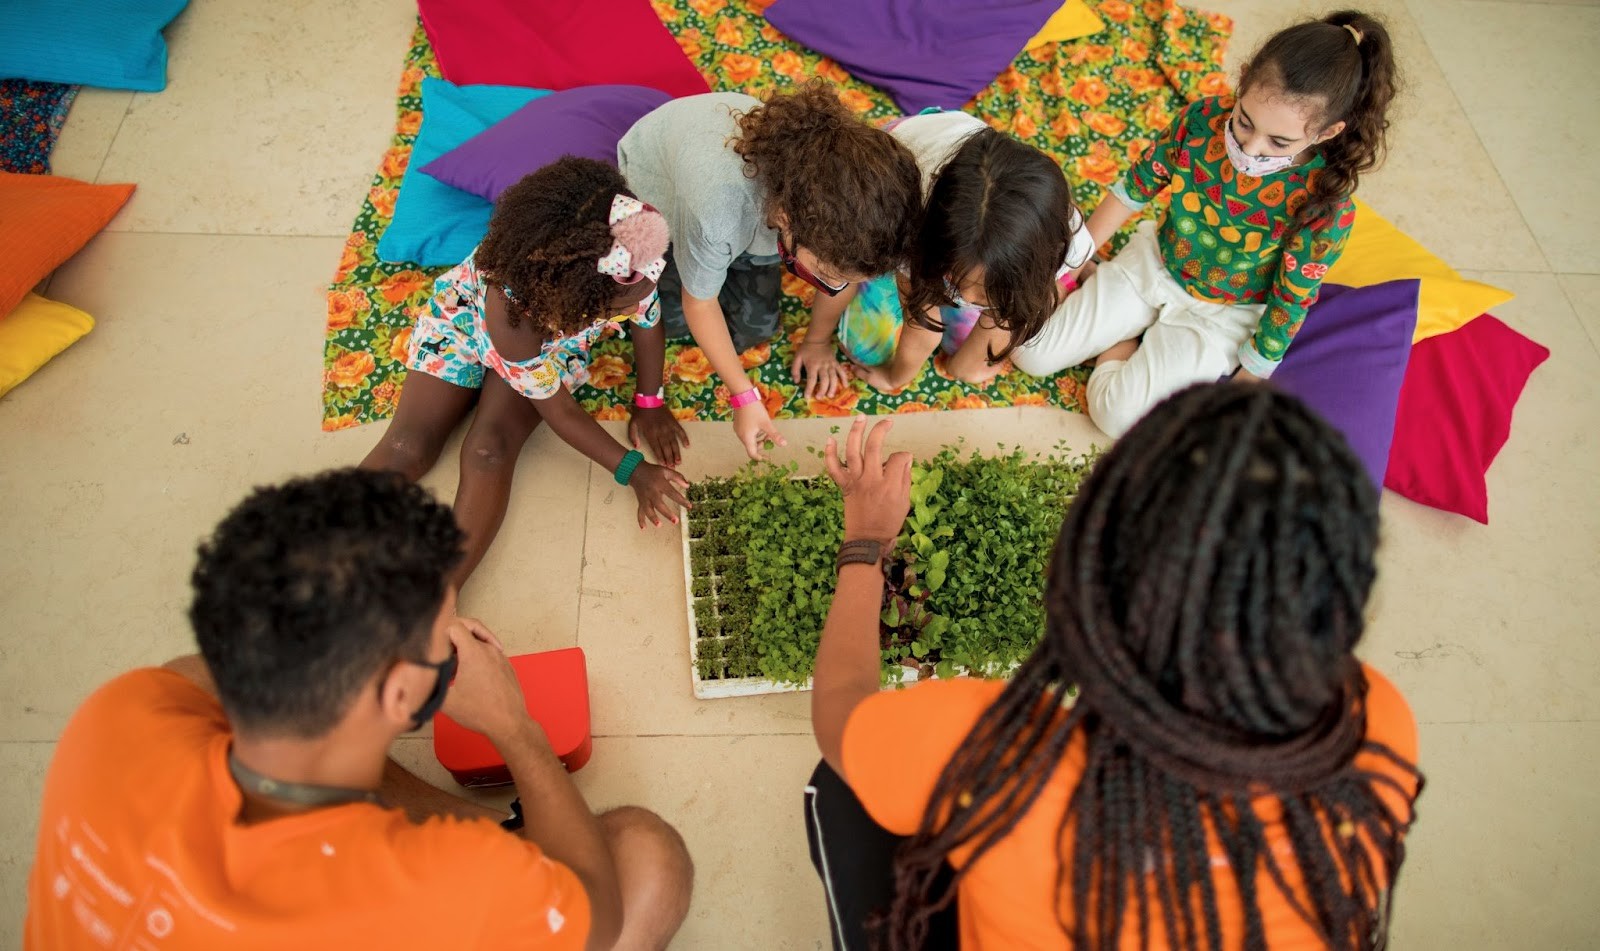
column 1256, row 166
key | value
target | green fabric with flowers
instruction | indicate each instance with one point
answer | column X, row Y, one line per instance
column 1094, row 104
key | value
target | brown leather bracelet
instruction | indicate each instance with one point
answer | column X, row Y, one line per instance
column 862, row 551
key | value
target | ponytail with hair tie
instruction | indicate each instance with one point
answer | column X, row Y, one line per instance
column 1355, row 83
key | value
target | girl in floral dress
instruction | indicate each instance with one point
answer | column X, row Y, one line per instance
column 571, row 255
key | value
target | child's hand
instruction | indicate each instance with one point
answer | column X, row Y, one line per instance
column 659, row 491
column 754, row 426
column 661, row 431
column 818, row 363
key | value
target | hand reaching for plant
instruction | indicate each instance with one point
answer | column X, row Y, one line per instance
column 661, row 430
column 660, row 493
column 754, row 427
column 877, row 492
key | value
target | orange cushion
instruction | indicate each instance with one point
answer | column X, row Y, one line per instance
column 43, row 221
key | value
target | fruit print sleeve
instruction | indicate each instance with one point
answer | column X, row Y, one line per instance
column 1153, row 171
column 1306, row 258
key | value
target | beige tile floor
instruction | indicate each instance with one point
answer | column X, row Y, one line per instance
column 201, row 381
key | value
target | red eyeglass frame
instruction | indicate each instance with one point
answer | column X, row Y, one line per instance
column 804, row 273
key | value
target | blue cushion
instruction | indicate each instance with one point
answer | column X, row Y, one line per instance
column 586, row 122
column 112, row 43
column 435, row 224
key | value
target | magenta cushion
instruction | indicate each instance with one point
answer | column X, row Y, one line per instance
column 557, row 44
column 1455, row 414
column 586, row 122
column 1348, row 362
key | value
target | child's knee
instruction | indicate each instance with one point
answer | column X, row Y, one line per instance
column 1110, row 404
column 408, row 452
column 1033, row 361
column 494, row 449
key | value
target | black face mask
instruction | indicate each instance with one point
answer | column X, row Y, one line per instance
column 446, row 670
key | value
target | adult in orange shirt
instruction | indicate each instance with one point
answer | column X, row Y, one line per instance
column 1191, row 758
column 272, row 818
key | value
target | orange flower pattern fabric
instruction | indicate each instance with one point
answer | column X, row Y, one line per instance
column 1094, row 104
column 1223, row 237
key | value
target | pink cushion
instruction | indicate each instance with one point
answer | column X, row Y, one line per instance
column 1455, row 414
column 557, row 44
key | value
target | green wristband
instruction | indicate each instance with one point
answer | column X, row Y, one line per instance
column 625, row 468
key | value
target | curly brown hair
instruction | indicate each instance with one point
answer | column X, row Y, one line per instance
column 852, row 193
column 546, row 237
column 1354, row 80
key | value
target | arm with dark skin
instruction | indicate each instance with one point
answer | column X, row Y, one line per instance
column 656, row 426
column 877, row 496
column 657, row 487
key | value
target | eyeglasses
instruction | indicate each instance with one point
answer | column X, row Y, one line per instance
column 804, row 273
column 961, row 303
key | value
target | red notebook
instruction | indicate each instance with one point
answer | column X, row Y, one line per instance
column 556, row 687
column 557, row 44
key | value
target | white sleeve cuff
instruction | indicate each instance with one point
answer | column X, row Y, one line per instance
column 1121, row 191
column 1254, row 362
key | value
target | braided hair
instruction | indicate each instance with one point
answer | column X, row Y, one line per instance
column 546, row 237
column 1205, row 596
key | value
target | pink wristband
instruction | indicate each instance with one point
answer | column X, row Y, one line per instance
column 648, row 401
column 741, row 400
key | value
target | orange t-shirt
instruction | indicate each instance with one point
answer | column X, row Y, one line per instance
column 897, row 743
column 140, row 848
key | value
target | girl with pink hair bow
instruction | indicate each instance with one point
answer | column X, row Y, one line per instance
column 571, row 256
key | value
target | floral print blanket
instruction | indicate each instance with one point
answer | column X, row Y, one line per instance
column 1094, row 104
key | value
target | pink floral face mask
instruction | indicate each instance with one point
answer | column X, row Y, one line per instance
column 1256, row 166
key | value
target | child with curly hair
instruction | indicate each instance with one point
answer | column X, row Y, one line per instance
column 1262, row 185
column 1000, row 247
column 571, row 256
column 749, row 189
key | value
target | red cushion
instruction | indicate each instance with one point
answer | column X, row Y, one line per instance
column 555, row 685
column 557, row 44
column 1455, row 414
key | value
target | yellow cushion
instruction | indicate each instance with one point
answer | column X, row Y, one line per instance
column 1073, row 21
column 33, row 333
column 1378, row 251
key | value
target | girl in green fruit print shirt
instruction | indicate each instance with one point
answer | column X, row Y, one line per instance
column 1261, row 207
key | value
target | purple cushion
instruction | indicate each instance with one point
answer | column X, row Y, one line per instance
column 1349, row 360
column 922, row 52
column 586, row 122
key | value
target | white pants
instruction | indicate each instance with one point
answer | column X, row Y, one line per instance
column 1186, row 340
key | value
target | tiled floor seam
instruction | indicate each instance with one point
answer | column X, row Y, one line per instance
column 1411, row 11
column 1573, row 301
column 106, row 156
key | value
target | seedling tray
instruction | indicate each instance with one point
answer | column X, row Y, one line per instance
column 709, row 638
column 964, row 581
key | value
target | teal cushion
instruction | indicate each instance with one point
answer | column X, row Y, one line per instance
column 116, row 44
column 435, row 224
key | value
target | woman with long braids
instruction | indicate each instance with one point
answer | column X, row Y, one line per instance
column 1192, row 758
